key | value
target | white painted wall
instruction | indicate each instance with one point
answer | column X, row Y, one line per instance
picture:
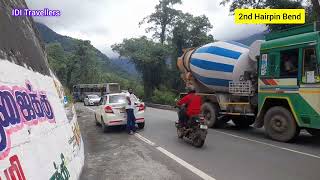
column 39, row 145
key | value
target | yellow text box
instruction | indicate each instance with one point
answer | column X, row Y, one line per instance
column 270, row 16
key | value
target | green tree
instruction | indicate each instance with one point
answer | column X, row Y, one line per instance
column 149, row 58
column 275, row 4
column 57, row 59
column 162, row 19
column 316, row 9
column 191, row 31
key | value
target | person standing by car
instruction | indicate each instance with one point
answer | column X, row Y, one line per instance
column 192, row 105
column 131, row 120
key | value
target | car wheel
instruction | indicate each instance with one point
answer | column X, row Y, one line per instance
column 84, row 103
column 105, row 127
column 141, row 125
column 96, row 120
column 280, row 124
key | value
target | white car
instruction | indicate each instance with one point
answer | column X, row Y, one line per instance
column 112, row 112
column 91, row 100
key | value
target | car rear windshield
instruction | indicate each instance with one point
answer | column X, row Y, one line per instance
column 117, row 99
column 93, row 96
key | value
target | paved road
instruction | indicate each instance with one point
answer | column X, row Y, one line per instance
column 228, row 154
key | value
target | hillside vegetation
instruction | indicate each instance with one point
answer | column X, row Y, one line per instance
column 76, row 61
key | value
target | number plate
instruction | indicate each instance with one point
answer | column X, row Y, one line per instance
column 203, row 126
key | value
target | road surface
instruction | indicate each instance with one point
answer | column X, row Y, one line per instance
column 228, row 154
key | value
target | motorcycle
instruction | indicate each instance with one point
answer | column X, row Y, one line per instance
column 195, row 130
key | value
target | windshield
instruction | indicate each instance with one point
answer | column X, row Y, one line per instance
column 117, row 99
column 93, row 96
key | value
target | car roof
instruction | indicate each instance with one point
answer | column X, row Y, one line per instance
column 112, row 94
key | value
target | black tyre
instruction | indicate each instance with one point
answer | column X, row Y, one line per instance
column 210, row 113
column 280, row 124
column 105, row 128
column 243, row 122
column 198, row 142
column 141, row 125
column 96, row 120
column 314, row 132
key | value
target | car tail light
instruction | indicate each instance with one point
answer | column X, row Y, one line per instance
column 141, row 107
column 108, row 109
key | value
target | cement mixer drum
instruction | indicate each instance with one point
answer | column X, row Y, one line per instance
column 216, row 64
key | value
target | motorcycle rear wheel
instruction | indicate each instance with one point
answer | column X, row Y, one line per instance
column 198, row 142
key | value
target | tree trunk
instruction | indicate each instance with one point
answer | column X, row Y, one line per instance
column 163, row 34
column 316, row 8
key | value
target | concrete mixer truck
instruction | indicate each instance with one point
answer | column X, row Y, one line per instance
column 273, row 84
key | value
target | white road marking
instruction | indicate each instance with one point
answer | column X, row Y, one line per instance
column 177, row 159
column 144, row 139
column 271, row 145
column 186, row 165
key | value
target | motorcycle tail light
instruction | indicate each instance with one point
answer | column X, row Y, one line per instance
column 108, row 109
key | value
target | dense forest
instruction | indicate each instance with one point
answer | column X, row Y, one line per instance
column 77, row 61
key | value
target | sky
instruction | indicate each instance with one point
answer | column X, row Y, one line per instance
column 106, row 22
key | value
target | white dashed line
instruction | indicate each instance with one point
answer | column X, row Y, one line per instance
column 193, row 169
column 144, row 139
column 271, row 145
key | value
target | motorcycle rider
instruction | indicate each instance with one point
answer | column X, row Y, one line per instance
column 190, row 106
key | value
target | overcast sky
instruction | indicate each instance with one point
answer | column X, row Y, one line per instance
column 105, row 22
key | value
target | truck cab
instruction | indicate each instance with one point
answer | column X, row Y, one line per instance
column 289, row 82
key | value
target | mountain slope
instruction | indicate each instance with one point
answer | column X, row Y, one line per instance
column 70, row 44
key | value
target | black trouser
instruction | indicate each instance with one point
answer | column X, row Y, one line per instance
column 183, row 117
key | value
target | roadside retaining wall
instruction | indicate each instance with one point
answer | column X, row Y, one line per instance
column 39, row 137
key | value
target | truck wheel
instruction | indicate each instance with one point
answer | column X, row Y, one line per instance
column 210, row 112
column 280, row 124
column 243, row 122
column 314, row 132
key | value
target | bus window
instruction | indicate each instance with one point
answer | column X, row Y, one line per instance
column 310, row 73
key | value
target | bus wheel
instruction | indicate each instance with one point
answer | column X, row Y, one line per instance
column 314, row 132
column 280, row 124
column 210, row 112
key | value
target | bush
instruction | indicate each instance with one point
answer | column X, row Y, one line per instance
column 165, row 97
